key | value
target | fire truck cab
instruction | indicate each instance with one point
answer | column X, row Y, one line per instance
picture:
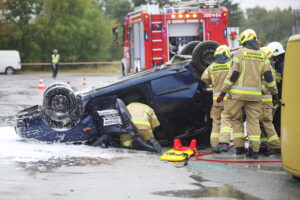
column 153, row 35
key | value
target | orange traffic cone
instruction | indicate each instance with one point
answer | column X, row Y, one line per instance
column 84, row 82
column 41, row 83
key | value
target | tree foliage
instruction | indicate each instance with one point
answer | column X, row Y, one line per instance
column 273, row 25
column 236, row 15
column 82, row 29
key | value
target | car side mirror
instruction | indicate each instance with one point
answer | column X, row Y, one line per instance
column 115, row 31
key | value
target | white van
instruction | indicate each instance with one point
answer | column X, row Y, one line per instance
column 10, row 61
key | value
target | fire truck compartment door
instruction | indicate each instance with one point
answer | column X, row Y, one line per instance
column 183, row 29
column 137, row 39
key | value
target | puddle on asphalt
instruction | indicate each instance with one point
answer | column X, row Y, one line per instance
column 54, row 163
column 265, row 167
column 209, row 190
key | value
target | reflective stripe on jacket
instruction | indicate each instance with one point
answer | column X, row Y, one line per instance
column 215, row 75
column 143, row 116
column 55, row 58
column 251, row 65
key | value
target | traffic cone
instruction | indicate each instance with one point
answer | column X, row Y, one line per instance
column 84, row 82
column 41, row 83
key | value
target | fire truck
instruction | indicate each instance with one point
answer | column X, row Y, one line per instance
column 152, row 35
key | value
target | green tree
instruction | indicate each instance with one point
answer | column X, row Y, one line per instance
column 117, row 9
column 236, row 15
column 273, row 25
column 15, row 23
column 77, row 28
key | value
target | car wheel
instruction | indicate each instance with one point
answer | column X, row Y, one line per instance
column 61, row 106
column 188, row 48
column 203, row 55
column 9, row 71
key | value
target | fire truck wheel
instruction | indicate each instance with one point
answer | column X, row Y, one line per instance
column 61, row 106
column 188, row 48
column 203, row 55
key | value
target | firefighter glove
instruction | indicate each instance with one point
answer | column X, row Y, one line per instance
column 275, row 99
column 221, row 97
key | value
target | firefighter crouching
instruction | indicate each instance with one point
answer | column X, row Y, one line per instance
column 144, row 121
column 243, row 85
column 215, row 75
column 270, row 143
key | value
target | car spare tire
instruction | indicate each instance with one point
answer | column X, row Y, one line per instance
column 188, row 48
column 203, row 55
column 61, row 106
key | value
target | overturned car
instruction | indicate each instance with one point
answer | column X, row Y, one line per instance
column 181, row 102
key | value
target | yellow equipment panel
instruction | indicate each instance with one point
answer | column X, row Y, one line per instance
column 290, row 109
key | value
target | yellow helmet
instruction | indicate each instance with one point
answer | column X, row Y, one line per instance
column 247, row 35
column 223, row 49
column 268, row 51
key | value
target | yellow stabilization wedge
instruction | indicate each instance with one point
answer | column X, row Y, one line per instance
column 174, row 155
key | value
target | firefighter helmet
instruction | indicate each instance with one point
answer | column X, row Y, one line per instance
column 277, row 48
column 247, row 35
column 268, row 51
column 223, row 49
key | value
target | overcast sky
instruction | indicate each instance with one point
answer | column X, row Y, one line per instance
column 269, row 4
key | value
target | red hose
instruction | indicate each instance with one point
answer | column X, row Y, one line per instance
column 198, row 156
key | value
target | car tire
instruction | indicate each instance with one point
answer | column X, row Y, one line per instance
column 9, row 71
column 188, row 48
column 61, row 106
column 203, row 55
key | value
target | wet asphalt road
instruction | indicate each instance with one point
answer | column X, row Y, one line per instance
column 20, row 91
column 129, row 174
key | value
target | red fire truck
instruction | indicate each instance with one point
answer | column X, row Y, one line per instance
column 152, row 35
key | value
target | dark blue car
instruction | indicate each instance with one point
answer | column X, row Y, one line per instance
column 174, row 91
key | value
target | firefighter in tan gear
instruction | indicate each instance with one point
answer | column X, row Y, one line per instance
column 243, row 85
column 215, row 75
column 270, row 143
column 144, row 121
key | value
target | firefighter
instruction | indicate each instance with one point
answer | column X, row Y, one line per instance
column 243, row 85
column 54, row 61
column 270, row 143
column 215, row 75
column 278, row 53
column 144, row 121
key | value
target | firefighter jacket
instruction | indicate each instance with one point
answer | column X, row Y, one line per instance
column 55, row 58
column 215, row 75
column 266, row 93
column 143, row 116
column 244, row 80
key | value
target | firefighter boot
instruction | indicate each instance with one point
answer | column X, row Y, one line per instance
column 264, row 151
column 222, row 147
column 252, row 154
column 240, row 150
column 275, row 152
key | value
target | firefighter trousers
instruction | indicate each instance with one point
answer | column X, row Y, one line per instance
column 269, row 137
column 126, row 139
column 237, row 126
column 231, row 111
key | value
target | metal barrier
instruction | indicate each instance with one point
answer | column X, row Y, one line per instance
column 72, row 63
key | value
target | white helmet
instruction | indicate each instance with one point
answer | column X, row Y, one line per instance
column 277, row 48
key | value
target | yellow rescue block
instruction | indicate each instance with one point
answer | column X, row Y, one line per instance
column 174, row 155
